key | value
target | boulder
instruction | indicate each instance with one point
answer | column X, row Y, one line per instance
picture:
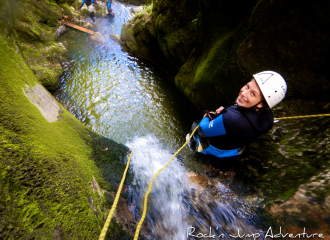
column 83, row 23
column 60, row 30
column 137, row 9
column 48, row 157
column 115, row 37
column 97, row 37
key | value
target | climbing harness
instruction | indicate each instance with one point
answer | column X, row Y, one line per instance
column 114, row 205
column 297, row 117
column 138, row 228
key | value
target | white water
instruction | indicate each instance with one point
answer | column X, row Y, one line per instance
column 172, row 207
column 166, row 213
column 120, row 97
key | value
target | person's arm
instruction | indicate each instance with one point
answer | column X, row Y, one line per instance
column 94, row 1
column 219, row 110
column 212, row 128
column 82, row 4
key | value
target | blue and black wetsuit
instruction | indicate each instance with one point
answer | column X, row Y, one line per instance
column 109, row 10
column 109, row 2
column 233, row 129
column 88, row 3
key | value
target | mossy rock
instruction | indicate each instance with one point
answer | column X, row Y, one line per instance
column 34, row 28
column 163, row 31
column 293, row 43
column 69, row 2
column 177, row 45
column 44, row 61
column 136, row 2
column 47, row 77
column 293, row 152
column 47, row 167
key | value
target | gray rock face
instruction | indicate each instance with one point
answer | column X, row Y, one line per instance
column 83, row 23
column 97, row 37
column 60, row 30
column 164, row 32
column 115, row 37
column 44, row 102
column 137, row 9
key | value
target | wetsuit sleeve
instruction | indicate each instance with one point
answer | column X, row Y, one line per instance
column 82, row 3
column 94, row 1
column 213, row 128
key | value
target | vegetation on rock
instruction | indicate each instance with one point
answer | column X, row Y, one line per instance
column 217, row 47
column 47, row 168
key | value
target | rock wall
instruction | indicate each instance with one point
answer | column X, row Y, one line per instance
column 34, row 24
column 293, row 38
column 215, row 47
column 164, row 32
column 48, row 158
column 136, row 2
column 222, row 44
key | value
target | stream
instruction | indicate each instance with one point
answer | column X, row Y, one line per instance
column 132, row 102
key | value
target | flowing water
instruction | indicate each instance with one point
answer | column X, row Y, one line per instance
column 132, row 102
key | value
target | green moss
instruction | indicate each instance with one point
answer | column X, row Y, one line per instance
column 286, row 195
column 322, row 193
column 109, row 157
column 85, row 12
column 115, row 232
column 136, row 2
column 34, row 29
column 47, row 168
column 297, row 155
column 47, row 77
column 70, row 2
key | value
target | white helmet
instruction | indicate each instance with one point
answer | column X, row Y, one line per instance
column 272, row 86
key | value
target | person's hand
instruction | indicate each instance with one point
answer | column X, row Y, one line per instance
column 219, row 109
column 207, row 115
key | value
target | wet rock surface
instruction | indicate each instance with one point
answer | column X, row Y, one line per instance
column 44, row 102
column 229, row 42
column 287, row 170
column 163, row 32
column 115, row 37
column 217, row 46
column 289, row 166
column 47, row 156
column 97, row 37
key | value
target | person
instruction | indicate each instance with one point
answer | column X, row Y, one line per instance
column 227, row 131
column 90, row 7
column 109, row 10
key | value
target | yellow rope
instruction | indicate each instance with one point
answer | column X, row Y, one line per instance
column 150, row 185
column 113, row 208
column 306, row 116
column 114, row 205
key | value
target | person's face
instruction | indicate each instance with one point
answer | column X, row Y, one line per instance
column 249, row 95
